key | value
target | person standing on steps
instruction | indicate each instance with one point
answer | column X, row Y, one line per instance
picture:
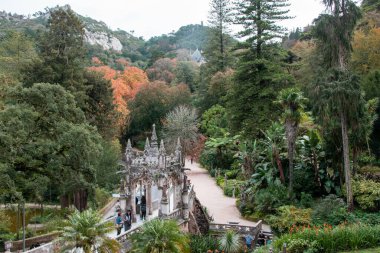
column 248, row 241
column 127, row 220
column 143, row 208
column 119, row 223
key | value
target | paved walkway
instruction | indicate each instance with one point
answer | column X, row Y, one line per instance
column 222, row 208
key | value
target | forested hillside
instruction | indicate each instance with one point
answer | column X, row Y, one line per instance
column 286, row 121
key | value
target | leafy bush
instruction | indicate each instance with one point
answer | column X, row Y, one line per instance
column 331, row 210
column 101, row 197
column 208, row 158
column 341, row 238
column 288, row 216
column 367, row 218
column 201, row 243
column 300, row 245
column 366, row 193
column 232, row 174
column 306, row 200
column 269, row 199
column 231, row 185
column 262, row 249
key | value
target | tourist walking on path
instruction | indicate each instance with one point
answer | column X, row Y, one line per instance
column 119, row 223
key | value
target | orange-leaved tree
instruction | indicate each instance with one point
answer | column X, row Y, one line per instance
column 125, row 85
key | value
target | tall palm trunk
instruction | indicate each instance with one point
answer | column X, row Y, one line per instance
column 346, row 160
column 291, row 128
column 279, row 165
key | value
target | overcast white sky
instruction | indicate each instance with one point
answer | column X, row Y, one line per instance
column 152, row 17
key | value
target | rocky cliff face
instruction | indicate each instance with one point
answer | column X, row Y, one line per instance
column 105, row 40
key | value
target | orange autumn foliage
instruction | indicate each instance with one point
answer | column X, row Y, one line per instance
column 125, row 85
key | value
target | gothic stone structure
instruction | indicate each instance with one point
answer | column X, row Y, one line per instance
column 158, row 178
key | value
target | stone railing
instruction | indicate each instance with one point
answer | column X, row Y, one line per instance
column 176, row 214
column 38, row 240
column 45, row 248
column 124, row 236
column 253, row 230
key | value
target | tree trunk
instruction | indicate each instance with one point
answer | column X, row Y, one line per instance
column 279, row 165
column 316, row 169
column 291, row 169
column 259, row 30
column 64, row 199
column 355, row 153
column 346, row 163
column 291, row 128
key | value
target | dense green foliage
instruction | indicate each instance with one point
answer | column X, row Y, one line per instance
column 86, row 231
column 327, row 239
column 160, row 236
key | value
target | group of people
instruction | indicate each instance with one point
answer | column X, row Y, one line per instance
column 123, row 220
column 261, row 240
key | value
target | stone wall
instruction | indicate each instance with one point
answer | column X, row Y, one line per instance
column 17, row 245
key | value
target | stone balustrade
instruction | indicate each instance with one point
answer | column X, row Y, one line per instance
column 241, row 229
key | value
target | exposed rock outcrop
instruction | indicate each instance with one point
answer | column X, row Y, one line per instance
column 106, row 41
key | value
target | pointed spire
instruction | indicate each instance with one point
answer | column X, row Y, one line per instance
column 154, row 137
column 162, row 148
column 178, row 147
column 147, row 145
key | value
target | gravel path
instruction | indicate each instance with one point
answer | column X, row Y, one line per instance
column 222, row 208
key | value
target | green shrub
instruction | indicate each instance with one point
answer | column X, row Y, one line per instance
column 367, row 218
column 232, row 174
column 306, row 200
column 262, row 249
column 208, row 158
column 288, row 216
column 101, row 197
column 201, row 243
column 231, row 185
column 267, row 200
column 331, row 210
column 366, row 193
column 300, row 245
column 340, row 238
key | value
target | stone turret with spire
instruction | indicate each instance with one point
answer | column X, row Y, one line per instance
column 147, row 147
column 178, row 151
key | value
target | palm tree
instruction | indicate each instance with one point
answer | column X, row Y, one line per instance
column 292, row 101
column 86, row 231
column 230, row 242
column 273, row 141
column 334, row 32
column 159, row 236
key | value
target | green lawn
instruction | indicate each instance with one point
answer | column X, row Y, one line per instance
column 376, row 250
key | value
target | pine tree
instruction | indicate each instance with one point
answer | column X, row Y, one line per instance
column 62, row 54
column 219, row 40
column 259, row 75
column 259, row 19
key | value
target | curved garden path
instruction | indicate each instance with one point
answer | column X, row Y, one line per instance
column 222, row 208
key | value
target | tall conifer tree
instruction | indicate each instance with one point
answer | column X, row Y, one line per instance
column 219, row 42
column 259, row 75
